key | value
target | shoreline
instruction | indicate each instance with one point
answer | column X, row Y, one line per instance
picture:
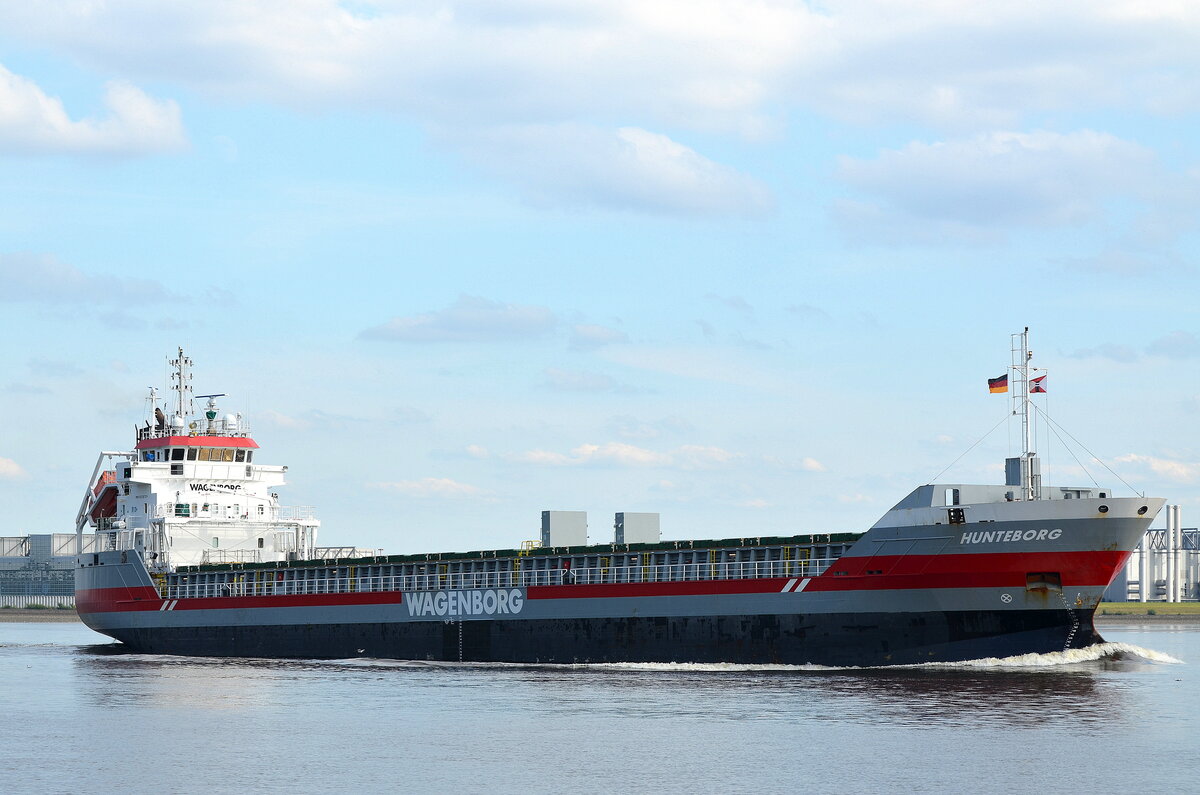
column 22, row 615
column 1143, row 618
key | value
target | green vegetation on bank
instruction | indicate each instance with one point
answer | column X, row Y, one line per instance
column 1148, row 609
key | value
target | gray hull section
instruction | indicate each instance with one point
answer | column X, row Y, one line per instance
column 825, row 639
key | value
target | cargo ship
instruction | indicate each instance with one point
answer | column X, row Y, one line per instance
column 196, row 556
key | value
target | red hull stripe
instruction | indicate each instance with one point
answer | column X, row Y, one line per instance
column 197, row 441
column 990, row 570
column 109, row 600
column 900, row 572
column 120, row 600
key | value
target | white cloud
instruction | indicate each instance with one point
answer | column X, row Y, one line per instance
column 579, row 381
column 477, row 451
column 586, row 336
column 1180, row 471
column 705, row 363
column 704, row 63
column 616, row 453
column 576, row 165
column 805, row 464
column 973, row 188
column 281, row 420
column 10, row 470
column 734, row 302
column 32, row 122
column 628, row 455
column 443, row 488
column 561, row 97
column 632, row 428
column 694, row 456
column 989, row 64
column 620, row 453
column 1112, row 351
column 1176, row 345
column 318, row 419
column 469, row 319
column 53, row 368
column 808, row 312
column 41, row 278
column 726, row 65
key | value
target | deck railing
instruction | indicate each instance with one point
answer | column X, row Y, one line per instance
column 266, row 583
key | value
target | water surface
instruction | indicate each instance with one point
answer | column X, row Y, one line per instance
column 83, row 717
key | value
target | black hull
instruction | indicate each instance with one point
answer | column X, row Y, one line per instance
column 847, row 639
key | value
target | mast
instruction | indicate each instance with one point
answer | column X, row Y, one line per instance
column 1030, row 477
column 1023, row 386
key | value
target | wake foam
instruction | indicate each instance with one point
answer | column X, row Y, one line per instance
column 1100, row 651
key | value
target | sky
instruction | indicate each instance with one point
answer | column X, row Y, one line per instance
column 745, row 264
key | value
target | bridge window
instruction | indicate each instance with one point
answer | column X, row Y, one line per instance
column 228, row 455
column 240, row 456
column 204, row 453
column 249, row 456
column 177, row 454
column 191, row 453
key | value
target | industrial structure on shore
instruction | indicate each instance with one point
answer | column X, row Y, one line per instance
column 39, row 569
column 1167, row 561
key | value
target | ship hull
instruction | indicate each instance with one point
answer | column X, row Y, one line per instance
column 837, row 639
column 1027, row 582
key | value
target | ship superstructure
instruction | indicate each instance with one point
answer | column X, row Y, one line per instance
column 190, row 492
column 951, row 572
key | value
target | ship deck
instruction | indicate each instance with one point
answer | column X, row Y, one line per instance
column 671, row 561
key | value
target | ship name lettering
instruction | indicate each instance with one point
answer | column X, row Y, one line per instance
column 1006, row 536
column 215, row 486
column 464, row 603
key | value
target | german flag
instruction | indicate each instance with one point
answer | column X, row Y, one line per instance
column 996, row 385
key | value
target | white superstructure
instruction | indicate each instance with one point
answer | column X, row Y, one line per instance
column 191, row 491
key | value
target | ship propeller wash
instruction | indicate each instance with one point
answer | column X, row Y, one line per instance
column 197, row 557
